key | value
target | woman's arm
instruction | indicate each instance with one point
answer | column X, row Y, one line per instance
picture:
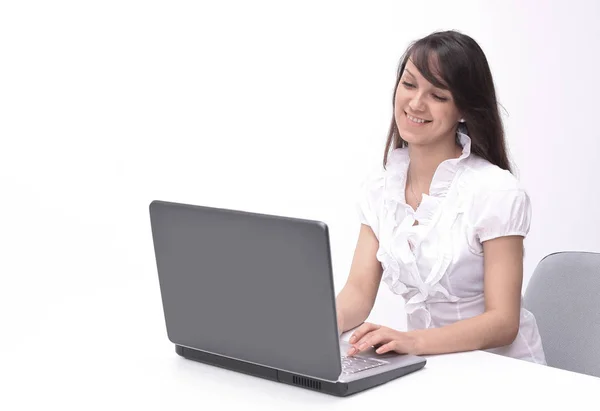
column 499, row 324
column 355, row 302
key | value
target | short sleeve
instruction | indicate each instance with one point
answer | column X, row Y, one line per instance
column 370, row 201
column 499, row 213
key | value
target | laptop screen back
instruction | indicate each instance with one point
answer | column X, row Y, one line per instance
column 253, row 287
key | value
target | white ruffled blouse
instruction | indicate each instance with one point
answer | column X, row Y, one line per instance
column 437, row 265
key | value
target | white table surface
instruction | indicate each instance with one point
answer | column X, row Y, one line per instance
column 106, row 348
column 103, row 345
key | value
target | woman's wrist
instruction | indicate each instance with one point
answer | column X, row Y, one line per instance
column 340, row 322
column 417, row 338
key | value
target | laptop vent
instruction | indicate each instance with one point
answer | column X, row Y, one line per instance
column 307, row 382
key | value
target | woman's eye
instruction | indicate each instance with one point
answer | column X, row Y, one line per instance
column 435, row 96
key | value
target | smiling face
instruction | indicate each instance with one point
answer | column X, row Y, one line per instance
column 424, row 114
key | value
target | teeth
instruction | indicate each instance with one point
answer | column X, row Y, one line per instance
column 414, row 119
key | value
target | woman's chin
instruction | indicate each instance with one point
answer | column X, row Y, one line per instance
column 409, row 137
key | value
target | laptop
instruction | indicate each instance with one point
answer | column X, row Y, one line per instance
column 254, row 293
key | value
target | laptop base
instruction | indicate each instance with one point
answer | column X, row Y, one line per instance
column 340, row 389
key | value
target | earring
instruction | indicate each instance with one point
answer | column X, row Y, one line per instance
column 462, row 120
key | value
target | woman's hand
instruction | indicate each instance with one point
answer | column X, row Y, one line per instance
column 384, row 339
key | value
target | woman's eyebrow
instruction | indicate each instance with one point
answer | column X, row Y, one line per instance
column 436, row 87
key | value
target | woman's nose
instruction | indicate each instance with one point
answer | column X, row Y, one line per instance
column 416, row 103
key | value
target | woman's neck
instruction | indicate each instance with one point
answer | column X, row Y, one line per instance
column 425, row 159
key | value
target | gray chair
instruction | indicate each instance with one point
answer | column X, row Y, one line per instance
column 564, row 296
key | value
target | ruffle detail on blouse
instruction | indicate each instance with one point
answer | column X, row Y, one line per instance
column 401, row 242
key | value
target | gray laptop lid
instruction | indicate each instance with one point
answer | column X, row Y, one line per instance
column 248, row 286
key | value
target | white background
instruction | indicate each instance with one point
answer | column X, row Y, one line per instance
column 267, row 106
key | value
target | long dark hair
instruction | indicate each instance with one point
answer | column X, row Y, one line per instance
column 465, row 72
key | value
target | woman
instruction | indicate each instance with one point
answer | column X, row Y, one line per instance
column 443, row 223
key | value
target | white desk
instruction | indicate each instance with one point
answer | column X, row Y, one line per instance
column 107, row 349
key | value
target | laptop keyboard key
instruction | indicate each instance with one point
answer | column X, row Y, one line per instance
column 351, row 365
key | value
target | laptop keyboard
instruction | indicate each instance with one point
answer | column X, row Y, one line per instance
column 351, row 365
